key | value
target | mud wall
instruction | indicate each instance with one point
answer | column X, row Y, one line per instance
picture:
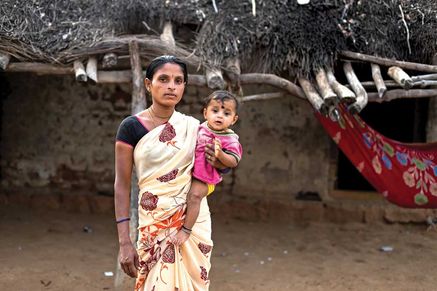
column 58, row 135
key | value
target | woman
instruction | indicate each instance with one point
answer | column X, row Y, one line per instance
column 160, row 142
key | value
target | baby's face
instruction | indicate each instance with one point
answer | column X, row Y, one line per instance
column 220, row 115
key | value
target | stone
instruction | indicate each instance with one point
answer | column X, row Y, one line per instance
column 395, row 214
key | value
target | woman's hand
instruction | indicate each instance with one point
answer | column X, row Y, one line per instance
column 179, row 238
column 128, row 259
column 212, row 150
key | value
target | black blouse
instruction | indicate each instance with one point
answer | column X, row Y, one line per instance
column 131, row 130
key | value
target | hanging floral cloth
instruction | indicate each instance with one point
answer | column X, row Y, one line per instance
column 406, row 174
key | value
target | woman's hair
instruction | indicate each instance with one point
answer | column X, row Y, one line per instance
column 221, row 96
column 162, row 60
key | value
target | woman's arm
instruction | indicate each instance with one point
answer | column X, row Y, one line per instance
column 128, row 256
column 197, row 191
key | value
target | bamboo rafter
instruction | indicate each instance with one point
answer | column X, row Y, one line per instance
column 114, row 52
column 125, row 76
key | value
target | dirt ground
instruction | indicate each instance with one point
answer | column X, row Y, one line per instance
column 51, row 251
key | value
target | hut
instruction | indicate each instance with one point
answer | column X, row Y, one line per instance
column 71, row 70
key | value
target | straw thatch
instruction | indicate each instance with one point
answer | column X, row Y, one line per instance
column 275, row 36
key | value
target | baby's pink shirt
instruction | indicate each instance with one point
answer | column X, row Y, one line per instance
column 204, row 171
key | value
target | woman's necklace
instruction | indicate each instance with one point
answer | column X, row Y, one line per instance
column 151, row 118
column 156, row 115
column 152, row 115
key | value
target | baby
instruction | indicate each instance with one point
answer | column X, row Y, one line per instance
column 220, row 112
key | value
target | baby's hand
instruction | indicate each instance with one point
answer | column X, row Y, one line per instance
column 179, row 238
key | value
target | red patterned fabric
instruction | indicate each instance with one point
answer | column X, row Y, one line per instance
column 406, row 174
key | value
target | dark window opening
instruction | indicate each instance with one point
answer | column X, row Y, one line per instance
column 403, row 120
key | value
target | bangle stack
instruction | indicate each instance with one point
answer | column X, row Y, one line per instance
column 186, row 230
column 122, row 220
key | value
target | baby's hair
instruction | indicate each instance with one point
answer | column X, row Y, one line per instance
column 221, row 95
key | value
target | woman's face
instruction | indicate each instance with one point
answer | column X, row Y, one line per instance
column 167, row 85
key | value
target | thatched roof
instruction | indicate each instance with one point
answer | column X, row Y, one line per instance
column 275, row 36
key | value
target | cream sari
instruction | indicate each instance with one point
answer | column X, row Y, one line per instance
column 163, row 161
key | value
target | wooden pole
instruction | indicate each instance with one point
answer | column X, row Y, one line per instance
column 91, row 69
column 387, row 83
column 402, row 94
column 425, row 83
column 400, row 77
column 109, row 60
column 377, row 78
column 79, row 71
column 138, row 90
column 425, row 77
column 256, row 78
column 232, row 66
column 344, row 94
column 167, row 35
column 372, row 96
column 111, row 77
column 313, row 96
column 264, row 96
column 328, row 96
column 49, row 69
column 125, row 76
column 393, row 84
column 214, row 79
column 4, row 61
column 39, row 68
column 200, row 80
column 356, row 87
column 273, row 80
column 390, row 62
column 232, row 70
